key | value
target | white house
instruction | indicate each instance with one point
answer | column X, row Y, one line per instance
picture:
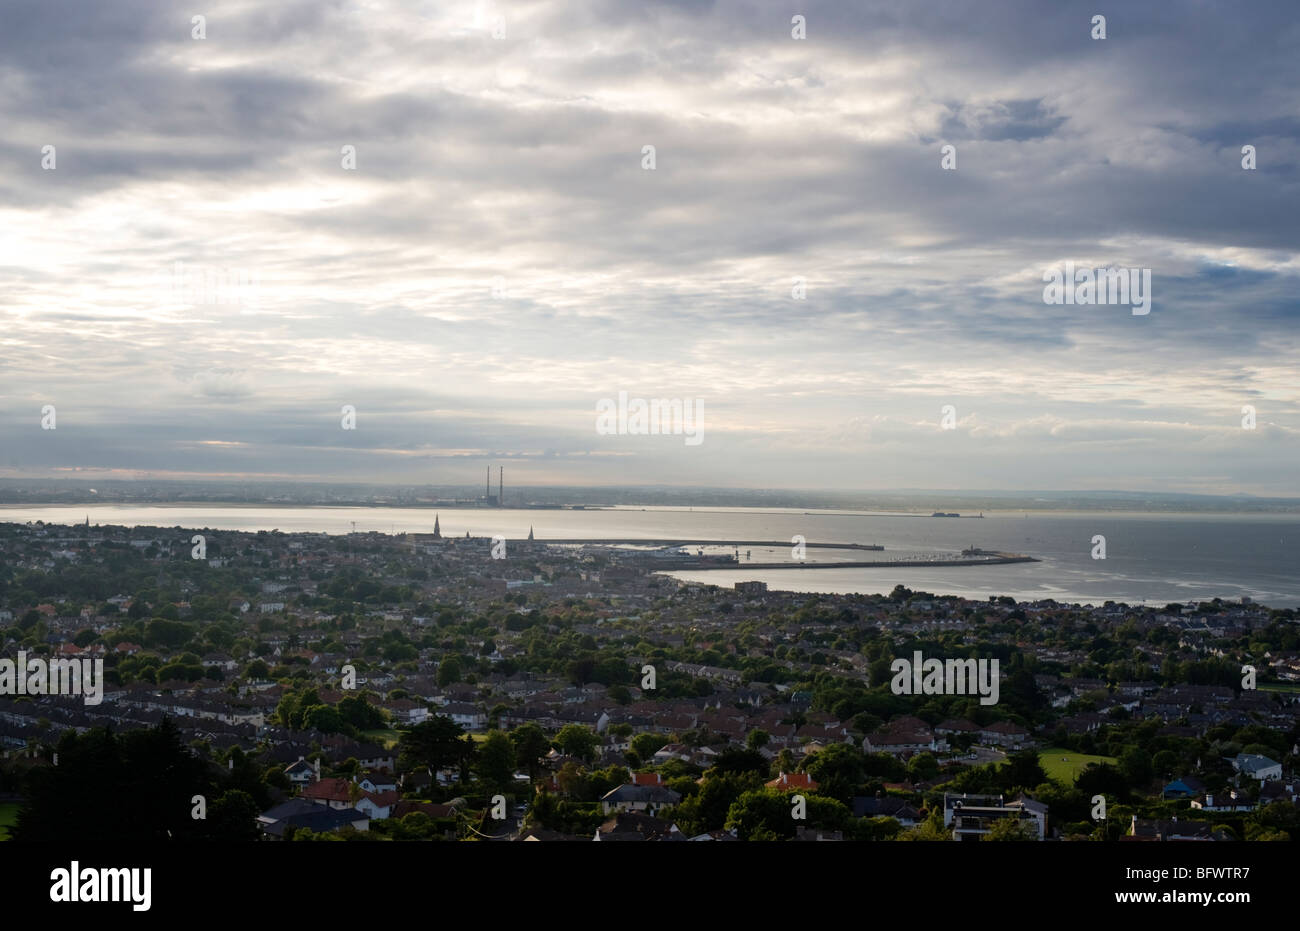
column 302, row 773
column 1254, row 766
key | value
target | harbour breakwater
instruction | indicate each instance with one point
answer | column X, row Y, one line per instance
column 683, row 541
column 991, row 560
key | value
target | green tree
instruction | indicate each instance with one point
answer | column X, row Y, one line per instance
column 416, row 826
column 494, row 716
column 707, row 809
column 1102, row 779
column 149, row 774
column 932, row 829
column 735, row 760
column 761, row 814
column 1012, row 829
column 257, row 669
column 165, row 633
column 359, row 713
column 878, row 829
column 577, row 741
column 579, row 671
column 495, row 766
column 647, row 745
column 435, row 743
column 449, row 671
column 923, row 767
column 1280, row 817
column 572, row 780
column 232, row 816
column 325, row 719
column 1137, row 767
column 530, row 746
column 1022, row 771
column 765, row 814
column 838, row 770
column 1165, row 762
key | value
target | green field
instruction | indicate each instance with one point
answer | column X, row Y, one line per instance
column 383, row 736
column 1280, row 686
column 1066, row 770
column 8, row 815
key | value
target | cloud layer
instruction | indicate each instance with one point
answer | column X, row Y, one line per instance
column 199, row 285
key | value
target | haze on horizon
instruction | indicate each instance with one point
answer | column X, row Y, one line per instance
column 516, row 162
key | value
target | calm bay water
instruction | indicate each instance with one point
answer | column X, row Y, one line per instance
column 1151, row 558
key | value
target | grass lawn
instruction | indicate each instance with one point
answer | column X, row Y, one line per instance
column 389, row 737
column 1280, row 686
column 385, row 736
column 8, row 815
column 1066, row 770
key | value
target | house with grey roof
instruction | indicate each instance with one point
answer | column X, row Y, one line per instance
column 1254, row 766
column 643, row 798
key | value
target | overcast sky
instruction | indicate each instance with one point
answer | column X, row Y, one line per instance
column 516, row 158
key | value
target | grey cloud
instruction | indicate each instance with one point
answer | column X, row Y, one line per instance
column 521, row 158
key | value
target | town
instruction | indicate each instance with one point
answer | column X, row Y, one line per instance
column 369, row 687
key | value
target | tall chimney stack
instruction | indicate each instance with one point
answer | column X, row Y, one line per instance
column 487, row 488
column 501, row 486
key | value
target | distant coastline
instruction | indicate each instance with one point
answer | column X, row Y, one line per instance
column 523, row 496
column 1155, row 557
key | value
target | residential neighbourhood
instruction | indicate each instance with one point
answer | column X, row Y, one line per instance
column 409, row 687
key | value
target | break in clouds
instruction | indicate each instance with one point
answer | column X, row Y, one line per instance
column 498, row 260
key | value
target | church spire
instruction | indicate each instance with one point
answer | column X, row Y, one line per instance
column 530, row 531
column 437, row 531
